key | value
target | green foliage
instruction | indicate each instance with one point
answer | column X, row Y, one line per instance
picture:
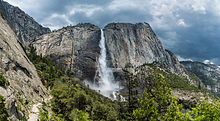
column 175, row 81
column 48, row 71
column 147, row 108
column 44, row 115
column 157, row 102
column 72, row 101
column 47, row 115
column 3, row 81
column 78, row 115
column 72, row 95
column 205, row 112
column 3, row 113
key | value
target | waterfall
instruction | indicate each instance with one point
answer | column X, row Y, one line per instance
column 106, row 82
column 106, row 85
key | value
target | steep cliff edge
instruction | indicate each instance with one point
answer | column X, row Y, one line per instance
column 209, row 74
column 75, row 47
column 24, row 83
column 24, row 26
column 137, row 44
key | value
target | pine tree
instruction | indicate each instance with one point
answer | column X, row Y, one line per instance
column 156, row 102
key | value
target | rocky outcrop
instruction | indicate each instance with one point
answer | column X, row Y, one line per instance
column 137, row 44
column 209, row 74
column 74, row 47
column 24, row 26
column 20, row 72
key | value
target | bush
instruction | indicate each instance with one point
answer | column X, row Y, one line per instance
column 78, row 115
column 205, row 112
column 3, row 81
column 44, row 115
column 3, row 113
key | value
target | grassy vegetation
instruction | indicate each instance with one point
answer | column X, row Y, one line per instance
column 3, row 81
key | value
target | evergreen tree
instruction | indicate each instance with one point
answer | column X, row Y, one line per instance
column 157, row 102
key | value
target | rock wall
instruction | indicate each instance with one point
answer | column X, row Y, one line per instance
column 137, row 44
column 19, row 71
column 74, row 47
column 77, row 48
column 209, row 74
column 24, row 26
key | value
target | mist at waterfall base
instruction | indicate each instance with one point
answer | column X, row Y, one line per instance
column 106, row 84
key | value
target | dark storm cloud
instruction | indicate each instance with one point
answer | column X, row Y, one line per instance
column 190, row 29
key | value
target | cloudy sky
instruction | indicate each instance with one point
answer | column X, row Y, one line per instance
column 189, row 28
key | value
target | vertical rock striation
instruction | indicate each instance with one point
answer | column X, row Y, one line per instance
column 24, row 26
column 137, row 44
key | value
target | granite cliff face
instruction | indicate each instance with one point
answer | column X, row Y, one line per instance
column 75, row 47
column 19, row 71
column 209, row 74
column 137, row 44
column 24, row 26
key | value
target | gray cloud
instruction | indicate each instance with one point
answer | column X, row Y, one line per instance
column 190, row 29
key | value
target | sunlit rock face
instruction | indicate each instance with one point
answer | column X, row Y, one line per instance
column 137, row 44
column 209, row 74
column 19, row 71
column 74, row 47
column 77, row 48
column 24, row 26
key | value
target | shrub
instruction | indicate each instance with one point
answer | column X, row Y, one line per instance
column 3, row 81
column 3, row 113
column 78, row 115
column 205, row 112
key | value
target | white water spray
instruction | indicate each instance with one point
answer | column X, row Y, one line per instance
column 106, row 85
